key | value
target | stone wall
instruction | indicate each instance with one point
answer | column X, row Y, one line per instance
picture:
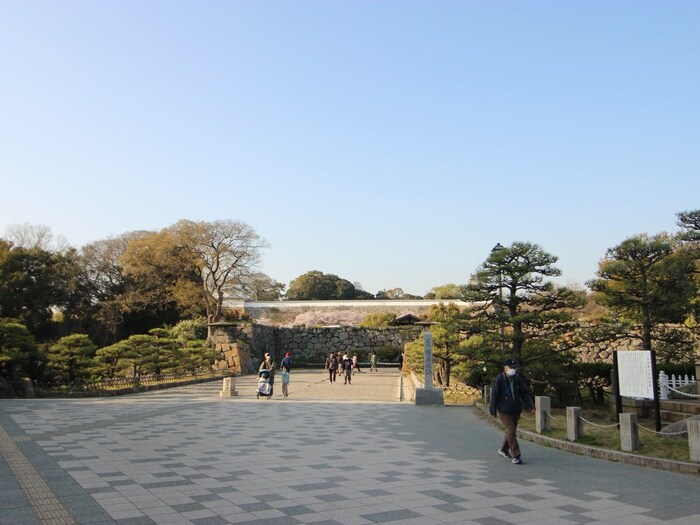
column 244, row 344
column 231, row 342
column 312, row 345
column 307, row 345
column 603, row 352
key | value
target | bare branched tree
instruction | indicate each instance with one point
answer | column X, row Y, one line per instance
column 39, row 236
column 225, row 252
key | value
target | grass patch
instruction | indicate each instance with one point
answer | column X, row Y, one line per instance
column 608, row 437
column 592, row 441
column 455, row 397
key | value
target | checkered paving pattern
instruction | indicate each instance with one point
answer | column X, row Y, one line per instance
column 192, row 458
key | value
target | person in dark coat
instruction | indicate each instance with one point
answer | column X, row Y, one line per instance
column 508, row 394
column 346, row 366
column 332, row 367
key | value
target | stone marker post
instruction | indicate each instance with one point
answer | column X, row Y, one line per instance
column 694, row 439
column 543, row 406
column 574, row 423
column 428, row 359
column 629, row 432
column 429, row 395
column 229, row 388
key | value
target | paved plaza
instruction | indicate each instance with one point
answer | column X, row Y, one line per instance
column 329, row 454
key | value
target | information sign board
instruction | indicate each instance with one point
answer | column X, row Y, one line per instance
column 635, row 374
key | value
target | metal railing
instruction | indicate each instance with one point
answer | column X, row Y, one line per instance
column 121, row 383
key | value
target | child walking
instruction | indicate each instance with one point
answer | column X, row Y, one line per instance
column 285, row 382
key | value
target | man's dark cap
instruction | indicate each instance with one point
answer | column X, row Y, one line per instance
column 509, row 362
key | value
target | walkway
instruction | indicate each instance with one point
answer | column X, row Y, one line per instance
column 187, row 456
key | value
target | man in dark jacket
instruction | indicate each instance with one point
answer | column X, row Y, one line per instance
column 508, row 393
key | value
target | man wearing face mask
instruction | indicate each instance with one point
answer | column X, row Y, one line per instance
column 508, row 393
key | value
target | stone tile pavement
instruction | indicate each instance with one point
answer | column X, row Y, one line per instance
column 329, row 454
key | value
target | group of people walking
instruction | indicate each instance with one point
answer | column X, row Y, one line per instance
column 344, row 364
column 335, row 363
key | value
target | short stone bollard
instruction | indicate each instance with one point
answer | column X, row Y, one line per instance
column 229, row 388
column 487, row 394
column 543, row 407
column 574, row 423
column 629, row 432
column 694, row 439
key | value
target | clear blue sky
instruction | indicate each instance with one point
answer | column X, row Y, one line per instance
column 392, row 143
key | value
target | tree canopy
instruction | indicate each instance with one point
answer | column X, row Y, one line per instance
column 32, row 282
column 121, row 294
column 19, row 354
column 447, row 291
column 647, row 280
column 318, row 286
column 514, row 300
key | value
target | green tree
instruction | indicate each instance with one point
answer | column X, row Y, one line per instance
column 447, row 349
column 31, row 284
column 377, row 320
column 166, row 354
column 19, row 355
column 194, row 356
column 396, row 293
column 70, row 359
column 447, row 291
column 5, row 247
column 648, row 281
column 163, row 350
column 516, row 310
column 454, row 348
column 162, row 283
column 392, row 293
column 127, row 358
column 690, row 222
column 106, row 283
column 317, row 286
column 190, row 330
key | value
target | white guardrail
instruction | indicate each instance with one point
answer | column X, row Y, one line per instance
column 673, row 384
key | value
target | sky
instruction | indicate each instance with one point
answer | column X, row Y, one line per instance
column 390, row 142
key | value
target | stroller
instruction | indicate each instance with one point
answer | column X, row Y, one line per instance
column 264, row 384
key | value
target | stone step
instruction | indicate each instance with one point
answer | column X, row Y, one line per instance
column 676, row 405
column 670, row 416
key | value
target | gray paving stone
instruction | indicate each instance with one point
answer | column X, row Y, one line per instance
column 187, row 456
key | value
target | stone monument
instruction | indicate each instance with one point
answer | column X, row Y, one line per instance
column 429, row 395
